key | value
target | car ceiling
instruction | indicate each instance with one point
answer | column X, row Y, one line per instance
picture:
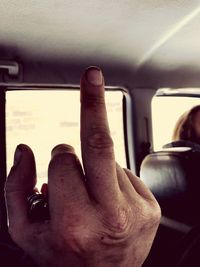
column 151, row 43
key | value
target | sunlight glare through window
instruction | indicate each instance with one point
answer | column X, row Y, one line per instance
column 166, row 110
column 43, row 119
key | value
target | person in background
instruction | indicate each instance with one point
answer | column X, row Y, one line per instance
column 100, row 214
column 187, row 127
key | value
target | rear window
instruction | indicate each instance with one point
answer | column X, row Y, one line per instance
column 166, row 110
column 43, row 119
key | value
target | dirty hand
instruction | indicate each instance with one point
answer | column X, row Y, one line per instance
column 100, row 214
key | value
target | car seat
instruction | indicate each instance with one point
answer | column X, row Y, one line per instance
column 173, row 176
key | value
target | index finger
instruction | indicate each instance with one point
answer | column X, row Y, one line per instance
column 96, row 142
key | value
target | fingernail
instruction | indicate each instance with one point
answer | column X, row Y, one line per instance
column 17, row 156
column 94, row 76
column 62, row 148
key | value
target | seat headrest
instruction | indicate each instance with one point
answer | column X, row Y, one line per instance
column 183, row 143
column 173, row 176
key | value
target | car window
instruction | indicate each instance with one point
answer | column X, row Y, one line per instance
column 166, row 110
column 43, row 119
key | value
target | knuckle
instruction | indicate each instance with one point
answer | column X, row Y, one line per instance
column 74, row 236
column 11, row 185
column 100, row 141
column 151, row 214
column 93, row 101
column 156, row 216
column 119, row 220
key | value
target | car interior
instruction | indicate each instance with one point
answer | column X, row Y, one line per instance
column 149, row 53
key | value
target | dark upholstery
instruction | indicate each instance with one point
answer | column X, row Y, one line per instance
column 173, row 175
column 183, row 143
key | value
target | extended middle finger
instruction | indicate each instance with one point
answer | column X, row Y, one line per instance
column 96, row 142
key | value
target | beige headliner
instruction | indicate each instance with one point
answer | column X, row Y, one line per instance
column 151, row 37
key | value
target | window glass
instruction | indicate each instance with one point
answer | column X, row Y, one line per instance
column 43, row 119
column 166, row 110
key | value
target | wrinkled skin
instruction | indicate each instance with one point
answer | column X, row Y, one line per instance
column 100, row 214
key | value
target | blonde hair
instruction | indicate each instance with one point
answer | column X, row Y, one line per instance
column 184, row 128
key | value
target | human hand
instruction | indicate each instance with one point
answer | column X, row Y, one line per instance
column 100, row 214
